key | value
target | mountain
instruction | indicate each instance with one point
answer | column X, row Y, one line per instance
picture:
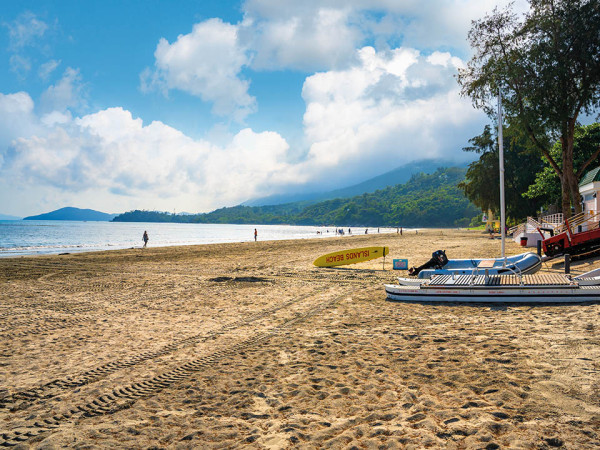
column 70, row 213
column 9, row 217
column 394, row 177
column 425, row 200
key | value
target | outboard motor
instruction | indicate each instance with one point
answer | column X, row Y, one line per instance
column 438, row 260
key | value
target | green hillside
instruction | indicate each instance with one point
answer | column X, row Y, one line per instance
column 425, row 200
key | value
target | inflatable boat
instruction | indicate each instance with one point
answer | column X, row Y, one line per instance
column 525, row 263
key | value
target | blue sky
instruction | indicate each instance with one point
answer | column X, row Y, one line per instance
column 195, row 105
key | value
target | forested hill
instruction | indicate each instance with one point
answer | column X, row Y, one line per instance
column 426, row 200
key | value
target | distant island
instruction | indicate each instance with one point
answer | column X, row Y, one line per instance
column 426, row 200
column 9, row 217
column 70, row 213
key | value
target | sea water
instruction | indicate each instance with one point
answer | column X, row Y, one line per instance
column 38, row 237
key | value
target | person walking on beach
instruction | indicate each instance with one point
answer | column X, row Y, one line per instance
column 145, row 238
column 255, row 234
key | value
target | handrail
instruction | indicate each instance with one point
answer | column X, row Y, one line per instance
column 557, row 223
column 533, row 223
column 555, row 219
column 577, row 220
column 518, row 229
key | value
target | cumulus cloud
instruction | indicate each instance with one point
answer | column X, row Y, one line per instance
column 388, row 108
column 369, row 109
column 304, row 38
column 206, row 63
column 391, row 108
column 66, row 93
column 18, row 119
column 313, row 35
column 323, row 34
column 112, row 152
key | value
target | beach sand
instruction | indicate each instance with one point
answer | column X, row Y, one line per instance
column 249, row 345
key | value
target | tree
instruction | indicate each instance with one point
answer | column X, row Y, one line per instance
column 547, row 67
column 482, row 180
column 546, row 186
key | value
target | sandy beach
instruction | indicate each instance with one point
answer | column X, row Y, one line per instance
column 249, row 345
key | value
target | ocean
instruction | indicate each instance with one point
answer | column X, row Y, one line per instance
column 44, row 237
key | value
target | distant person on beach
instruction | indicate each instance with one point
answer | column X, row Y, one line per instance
column 366, row 231
column 145, row 238
column 255, row 234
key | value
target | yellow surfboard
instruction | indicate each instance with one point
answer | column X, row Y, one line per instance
column 352, row 256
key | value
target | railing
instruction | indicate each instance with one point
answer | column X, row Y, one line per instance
column 587, row 219
column 531, row 225
column 553, row 219
column 534, row 224
column 516, row 230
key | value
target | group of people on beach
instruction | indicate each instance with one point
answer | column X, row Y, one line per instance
column 337, row 231
column 145, row 237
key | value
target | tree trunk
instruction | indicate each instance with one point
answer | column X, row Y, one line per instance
column 573, row 180
column 568, row 181
column 565, row 195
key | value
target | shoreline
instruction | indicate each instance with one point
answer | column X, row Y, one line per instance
column 248, row 344
column 161, row 235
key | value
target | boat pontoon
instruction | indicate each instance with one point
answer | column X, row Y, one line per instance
column 539, row 288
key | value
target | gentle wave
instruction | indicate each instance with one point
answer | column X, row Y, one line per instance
column 19, row 238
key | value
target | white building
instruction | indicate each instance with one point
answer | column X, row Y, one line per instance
column 588, row 189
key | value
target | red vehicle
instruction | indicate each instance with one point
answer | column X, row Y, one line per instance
column 570, row 242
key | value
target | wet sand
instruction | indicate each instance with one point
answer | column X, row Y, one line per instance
column 249, row 345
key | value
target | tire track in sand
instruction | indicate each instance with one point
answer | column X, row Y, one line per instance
column 124, row 397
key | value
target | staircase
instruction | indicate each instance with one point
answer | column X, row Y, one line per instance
column 530, row 227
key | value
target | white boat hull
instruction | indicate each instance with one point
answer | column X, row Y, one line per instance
column 549, row 295
column 544, row 288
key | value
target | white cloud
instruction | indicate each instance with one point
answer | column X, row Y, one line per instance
column 368, row 110
column 25, row 30
column 47, row 68
column 66, row 93
column 17, row 118
column 391, row 108
column 304, row 39
column 206, row 63
column 307, row 36
column 323, row 34
column 20, row 65
column 116, row 156
column 387, row 109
